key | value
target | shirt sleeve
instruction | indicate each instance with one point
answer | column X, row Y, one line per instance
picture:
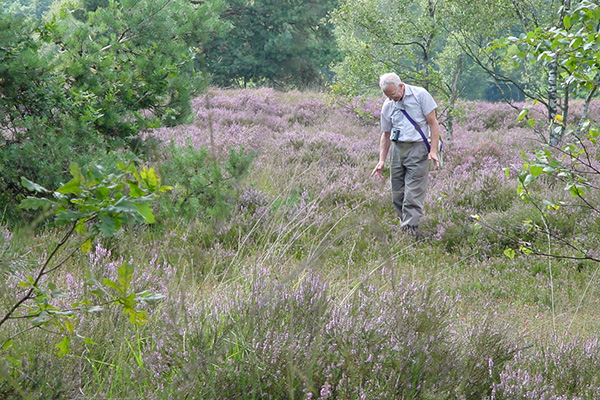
column 386, row 122
column 427, row 102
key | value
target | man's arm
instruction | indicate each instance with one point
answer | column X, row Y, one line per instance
column 434, row 130
column 384, row 148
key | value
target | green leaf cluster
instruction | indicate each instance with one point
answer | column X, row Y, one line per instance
column 97, row 201
column 127, row 298
column 573, row 168
column 575, row 45
column 368, row 34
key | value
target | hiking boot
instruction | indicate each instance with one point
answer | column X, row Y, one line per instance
column 412, row 230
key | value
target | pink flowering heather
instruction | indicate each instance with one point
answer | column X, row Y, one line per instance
column 308, row 290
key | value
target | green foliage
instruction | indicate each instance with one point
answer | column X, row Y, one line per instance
column 110, row 200
column 368, row 35
column 94, row 202
column 472, row 25
column 93, row 5
column 203, row 186
column 283, row 43
column 83, row 84
column 569, row 52
column 559, row 50
column 421, row 40
column 134, row 57
column 39, row 132
column 407, row 37
column 573, row 168
column 575, row 41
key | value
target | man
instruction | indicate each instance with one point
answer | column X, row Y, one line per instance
column 410, row 159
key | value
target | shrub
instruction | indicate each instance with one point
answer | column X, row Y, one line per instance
column 203, row 185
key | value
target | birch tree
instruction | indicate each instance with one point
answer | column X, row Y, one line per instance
column 479, row 28
column 573, row 166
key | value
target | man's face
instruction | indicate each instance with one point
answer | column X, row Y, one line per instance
column 394, row 92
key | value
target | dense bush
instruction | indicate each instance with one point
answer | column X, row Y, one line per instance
column 81, row 84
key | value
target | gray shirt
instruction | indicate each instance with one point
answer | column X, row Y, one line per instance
column 418, row 103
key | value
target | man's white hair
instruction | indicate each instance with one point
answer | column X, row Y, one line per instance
column 388, row 79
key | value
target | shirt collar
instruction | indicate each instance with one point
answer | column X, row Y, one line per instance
column 407, row 92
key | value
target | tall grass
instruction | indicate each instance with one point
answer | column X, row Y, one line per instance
column 308, row 290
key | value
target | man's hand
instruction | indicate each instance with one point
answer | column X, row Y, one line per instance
column 433, row 156
column 378, row 169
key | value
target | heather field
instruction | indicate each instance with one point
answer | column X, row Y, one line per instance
column 292, row 280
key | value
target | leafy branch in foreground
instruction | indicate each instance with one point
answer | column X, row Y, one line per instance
column 93, row 203
column 573, row 165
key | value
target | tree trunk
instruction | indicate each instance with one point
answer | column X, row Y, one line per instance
column 556, row 131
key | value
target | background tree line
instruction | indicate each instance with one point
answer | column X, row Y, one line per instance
column 297, row 43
